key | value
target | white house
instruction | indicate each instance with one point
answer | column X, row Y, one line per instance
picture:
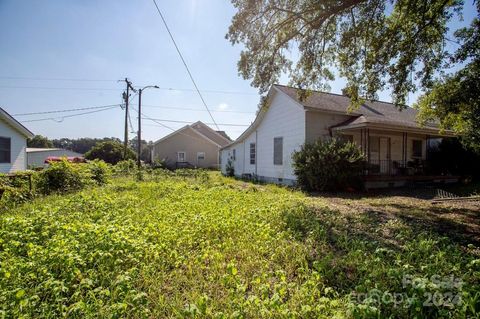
column 36, row 156
column 13, row 143
column 394, row 144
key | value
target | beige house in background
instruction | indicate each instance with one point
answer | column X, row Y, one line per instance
column 195, row 145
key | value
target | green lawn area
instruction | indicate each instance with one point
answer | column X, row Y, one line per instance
column 219, row 248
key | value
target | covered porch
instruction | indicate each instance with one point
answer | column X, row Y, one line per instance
column 395, row 155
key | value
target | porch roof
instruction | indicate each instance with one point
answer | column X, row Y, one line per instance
column 390, row 125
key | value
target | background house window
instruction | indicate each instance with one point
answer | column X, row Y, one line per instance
column 278, row 151
column 416, row 148
column 346, row 138
column 200, row 155
column 253, row 153
column 234, row 154
column 181, row 157
column 5, row 149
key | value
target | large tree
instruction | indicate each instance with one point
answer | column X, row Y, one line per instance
column 110, row 152
column 455, row 99
column 373, row 44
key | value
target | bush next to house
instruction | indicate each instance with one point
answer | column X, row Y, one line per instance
column 328, row 165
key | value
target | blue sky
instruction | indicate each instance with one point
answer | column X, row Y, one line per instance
column 109, row 40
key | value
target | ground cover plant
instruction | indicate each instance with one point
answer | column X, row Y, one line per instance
column 194, row 244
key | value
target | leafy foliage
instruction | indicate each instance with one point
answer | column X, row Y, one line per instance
column 328, row 165
column 39, row 141
column 82, row 145
column 100, row 171
column 229, row 168
column 374, row 44
column 455, row 99
column 62, row 177
column 178, row 246
column 110, row 152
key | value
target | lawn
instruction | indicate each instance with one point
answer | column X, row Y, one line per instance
column 208, row 246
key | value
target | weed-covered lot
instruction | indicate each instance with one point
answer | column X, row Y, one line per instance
column 208, row 246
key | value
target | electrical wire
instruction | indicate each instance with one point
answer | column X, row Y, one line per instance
column 64, row 111
column 194, row 109
column 52, row 79
column 184, row 63
column 190, row 122
column 69, row 116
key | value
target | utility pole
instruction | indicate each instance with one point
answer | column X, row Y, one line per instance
column 126, row 96
column 139, row 134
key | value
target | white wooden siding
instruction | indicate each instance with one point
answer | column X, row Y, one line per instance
column 18, row 158
column 284, row 118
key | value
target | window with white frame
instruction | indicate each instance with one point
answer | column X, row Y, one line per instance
column 181, row 157
column 200, row 155
column 253, row 153
column 234, row 156
column 278, row 151
column 5, row 149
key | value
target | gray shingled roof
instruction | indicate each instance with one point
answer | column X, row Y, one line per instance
column 370, row 112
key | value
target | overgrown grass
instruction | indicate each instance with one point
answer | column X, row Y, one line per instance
column 178, row 245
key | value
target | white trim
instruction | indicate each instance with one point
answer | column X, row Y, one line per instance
column 11, row 121
column 184, row 157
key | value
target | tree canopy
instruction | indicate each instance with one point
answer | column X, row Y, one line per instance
column 110, row 152
column 455, row 98
column 39, row 141
column 373, row 44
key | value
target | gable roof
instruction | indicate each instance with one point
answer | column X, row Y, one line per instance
column 220, row 139
column 11, row 121
column 370, row 111
column 198, row 132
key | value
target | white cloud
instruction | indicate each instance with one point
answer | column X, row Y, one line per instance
column 222, row 106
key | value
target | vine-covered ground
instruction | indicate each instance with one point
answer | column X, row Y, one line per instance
column 208, row 246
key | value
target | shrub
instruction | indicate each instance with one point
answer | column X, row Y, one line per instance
column 328, row 165
column 126, row 167
column 63, row 177
column 230, row 170
column 100, row 171
column 14, row 191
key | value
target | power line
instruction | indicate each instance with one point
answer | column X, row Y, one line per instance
column 113, row 89
column 190, row 122
column 65, row 110
column 52, row 79
column 194, row 109
column 184, row 63
column 69, row 116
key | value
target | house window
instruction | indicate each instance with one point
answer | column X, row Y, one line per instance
column 253, row 153
column 200, row 155
column 181, row 157
column 234, row 154
column 417, row 148
column 5, row 149
column 346, row 138
column 278, row 151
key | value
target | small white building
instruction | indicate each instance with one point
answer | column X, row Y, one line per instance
column 36, row 156
column 13, row 143
column 394, row 144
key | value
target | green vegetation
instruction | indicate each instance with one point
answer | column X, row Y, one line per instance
column 111, row 152
column 329, row 165
column 194, row 244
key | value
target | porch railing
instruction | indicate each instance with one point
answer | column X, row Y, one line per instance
column 394, row 167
